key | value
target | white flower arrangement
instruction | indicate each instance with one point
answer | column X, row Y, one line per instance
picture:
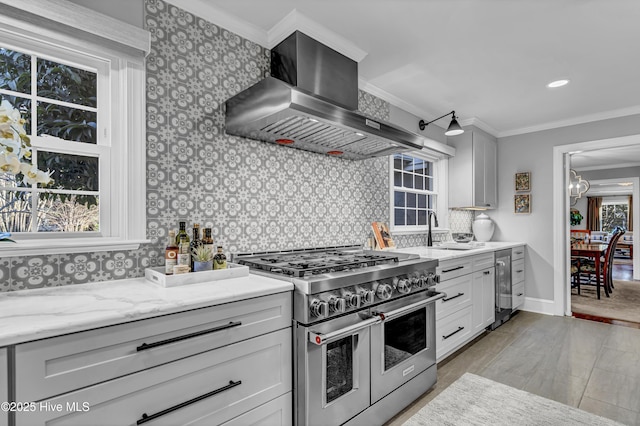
column 15, row 147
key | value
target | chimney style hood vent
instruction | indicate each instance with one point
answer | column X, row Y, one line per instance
column 310, row 102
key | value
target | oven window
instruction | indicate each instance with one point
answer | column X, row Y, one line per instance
column 339, row 368
column 404, row 337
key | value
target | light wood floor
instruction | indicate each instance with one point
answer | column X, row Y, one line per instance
column 585, row 364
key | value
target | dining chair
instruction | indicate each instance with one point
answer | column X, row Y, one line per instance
column 587, row 266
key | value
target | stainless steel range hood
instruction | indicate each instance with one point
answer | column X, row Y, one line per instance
column 310, row 102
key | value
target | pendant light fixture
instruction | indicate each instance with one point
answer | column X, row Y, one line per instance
column 453, row 129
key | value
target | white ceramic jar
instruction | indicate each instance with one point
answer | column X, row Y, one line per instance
column 483, row 228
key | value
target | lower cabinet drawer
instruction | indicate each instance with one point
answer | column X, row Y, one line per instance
column 449, row 269
column 458, row 292
column 50, row 367
column 206, row 389
column 453, row 331
column 483, row 261
column 278, row 412
column 517, row 271
column 517, row 296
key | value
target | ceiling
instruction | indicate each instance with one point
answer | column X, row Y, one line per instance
column 625, row 156
column 488, row 60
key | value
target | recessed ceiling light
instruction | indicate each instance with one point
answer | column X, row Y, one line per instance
column 557, row 83
column 625, row 183
column 359, row 134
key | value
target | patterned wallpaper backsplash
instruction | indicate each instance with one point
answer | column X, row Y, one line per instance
column 256, row 196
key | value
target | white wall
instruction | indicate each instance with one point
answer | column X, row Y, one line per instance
column 129, row 11
column 534, row 152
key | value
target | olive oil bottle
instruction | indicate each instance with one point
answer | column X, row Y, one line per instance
column 219, row 260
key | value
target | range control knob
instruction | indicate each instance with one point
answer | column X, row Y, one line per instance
column 422, row 281
column 367, row 296
column 384, row 291
column 432, row 279
column 337, row 304
column 403, row 286
column 318, row 308
column 415, row 281
column 353, row 300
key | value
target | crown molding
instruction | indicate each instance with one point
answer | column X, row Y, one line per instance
column 206, row 11
column 392, row 99
column 606, row 115
column 297, row 21
column 473, row 121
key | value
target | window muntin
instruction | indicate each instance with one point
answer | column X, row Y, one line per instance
column 614, row 212
column 61, row 100
column 414, row 194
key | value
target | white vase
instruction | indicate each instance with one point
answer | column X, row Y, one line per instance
column 483, row 228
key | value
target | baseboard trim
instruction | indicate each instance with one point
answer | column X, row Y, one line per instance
column 539, row 306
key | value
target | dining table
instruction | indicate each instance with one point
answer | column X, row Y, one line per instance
column 592, row 251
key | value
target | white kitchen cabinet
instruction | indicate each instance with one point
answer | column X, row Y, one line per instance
column 205, row 389
column 4, row 385
column 60, row 364
column 483, row 295
column 517, row 277
column 469, row 306
column 472, row 172
column 198, row 367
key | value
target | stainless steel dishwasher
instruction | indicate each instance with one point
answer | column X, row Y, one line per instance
column 503, row 287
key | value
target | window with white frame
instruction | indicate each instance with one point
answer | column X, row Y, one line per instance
column 79, row 104
column 414, row 191
column 614, row 212
column 62, row 100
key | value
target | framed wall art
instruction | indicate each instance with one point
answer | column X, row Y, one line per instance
column 523, row 181
column 522, row 203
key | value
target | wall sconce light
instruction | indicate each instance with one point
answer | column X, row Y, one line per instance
column 577, row 186
column 453, row 129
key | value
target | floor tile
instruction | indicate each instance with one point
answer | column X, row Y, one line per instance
column 621, row 362
column 556, row 385
column 610, row 411
column 613, row 388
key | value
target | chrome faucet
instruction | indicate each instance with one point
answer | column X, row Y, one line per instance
column 429, row 239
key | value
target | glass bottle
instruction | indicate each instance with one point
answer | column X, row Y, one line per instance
column 184, row 257
column 207, row 239
column 170, row 254
column 181, row 232
column 195, row 242
column 219, row 260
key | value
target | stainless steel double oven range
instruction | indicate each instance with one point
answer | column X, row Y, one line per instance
column 364, row 330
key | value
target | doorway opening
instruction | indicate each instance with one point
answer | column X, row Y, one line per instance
column 561, row 212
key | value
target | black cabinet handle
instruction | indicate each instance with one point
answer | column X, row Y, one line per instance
column 520, row 294
column 147, row 418
column 452, row 269
column 487, row 272
column 519, row 252
column 145, row 346
column 452, row 297
column 519, row 270
column 455, row 332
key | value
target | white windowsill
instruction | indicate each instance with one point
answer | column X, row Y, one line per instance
column 419, row 231
column 66, row 245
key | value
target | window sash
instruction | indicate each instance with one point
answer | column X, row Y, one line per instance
column 103, row 68
column 433, row 193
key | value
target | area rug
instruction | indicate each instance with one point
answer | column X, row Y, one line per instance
column 623, row 303
column 474, row 400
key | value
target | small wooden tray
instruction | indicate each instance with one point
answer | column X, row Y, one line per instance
column 157, row 275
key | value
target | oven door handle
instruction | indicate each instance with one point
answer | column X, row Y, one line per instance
column 405, row 309
column 324, row 338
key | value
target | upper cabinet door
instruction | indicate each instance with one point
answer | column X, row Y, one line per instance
column 472, row 172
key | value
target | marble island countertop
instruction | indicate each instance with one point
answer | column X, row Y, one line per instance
column 36, row 314
column 439, row 253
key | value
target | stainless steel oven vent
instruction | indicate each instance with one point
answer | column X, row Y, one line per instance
column 310, row 103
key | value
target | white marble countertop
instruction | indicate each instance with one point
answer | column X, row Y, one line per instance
column 35, row 314
column 447, row 254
